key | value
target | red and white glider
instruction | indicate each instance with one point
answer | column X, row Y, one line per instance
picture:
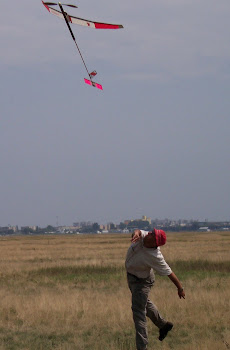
column 83, row 22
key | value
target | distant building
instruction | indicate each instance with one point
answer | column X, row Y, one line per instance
column 204, row 229
column 68, row 229
column 4, row 229
column 144, row 218
column 32, row 228
column 14, row 228
column 125, row 230
column 8, row 229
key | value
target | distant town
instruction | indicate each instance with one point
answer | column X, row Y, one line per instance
column 126, row 226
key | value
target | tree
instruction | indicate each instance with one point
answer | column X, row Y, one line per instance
column 112, row 226
column 26, row 230
column 50, row 228
column 122, row 226
column 95, row 227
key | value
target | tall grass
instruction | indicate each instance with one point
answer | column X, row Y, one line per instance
column 70, row 293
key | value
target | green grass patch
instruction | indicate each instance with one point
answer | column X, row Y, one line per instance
column 107, row 275
column 82, row 274
column 104, row 338
column 18, row 340
column 200, row 269
column 125, row 340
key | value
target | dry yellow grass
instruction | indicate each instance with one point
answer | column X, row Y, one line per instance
column 70, row 293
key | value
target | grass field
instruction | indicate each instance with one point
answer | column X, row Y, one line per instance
column 70, row 293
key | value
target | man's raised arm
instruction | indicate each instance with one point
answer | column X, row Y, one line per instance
column 136, row 236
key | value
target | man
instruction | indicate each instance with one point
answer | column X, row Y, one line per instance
column 143, row 258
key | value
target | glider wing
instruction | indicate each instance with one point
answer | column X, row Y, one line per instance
column 92, row 83
column 53, row 11
column 82, row 21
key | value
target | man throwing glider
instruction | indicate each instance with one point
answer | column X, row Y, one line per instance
column 143, row 258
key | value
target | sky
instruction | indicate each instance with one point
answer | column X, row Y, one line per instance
column 154, row 142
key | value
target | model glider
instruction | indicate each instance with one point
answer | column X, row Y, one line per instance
column 83, row 22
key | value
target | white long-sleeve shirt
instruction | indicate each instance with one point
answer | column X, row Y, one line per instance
column 140, row 260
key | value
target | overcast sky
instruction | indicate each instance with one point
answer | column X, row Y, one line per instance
column 155, row 141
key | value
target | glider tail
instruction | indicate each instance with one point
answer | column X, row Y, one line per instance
column 93, row 74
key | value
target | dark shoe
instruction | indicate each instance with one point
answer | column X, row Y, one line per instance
column 164, row 330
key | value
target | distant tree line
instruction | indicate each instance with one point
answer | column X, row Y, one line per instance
column 94, row 228
column 130, row 226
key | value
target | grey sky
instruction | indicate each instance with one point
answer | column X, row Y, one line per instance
column 154, row 142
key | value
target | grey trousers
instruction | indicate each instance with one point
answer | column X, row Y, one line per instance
column 142, row 307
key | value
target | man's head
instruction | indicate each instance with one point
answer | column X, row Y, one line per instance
column 154, row 239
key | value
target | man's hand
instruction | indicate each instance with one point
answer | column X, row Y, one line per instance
column 181, row 293
column 136, row 236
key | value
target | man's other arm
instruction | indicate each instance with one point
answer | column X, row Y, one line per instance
column 178, row 284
